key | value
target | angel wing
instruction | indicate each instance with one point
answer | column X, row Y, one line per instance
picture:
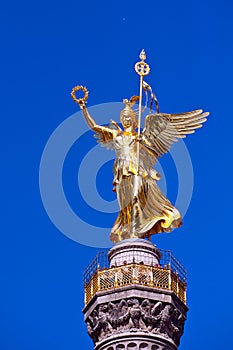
column 145, row 304
column 162, row 130
column 113, row 314
column 123, row 311
column 106, row 134
column 156, row 308
column 146, row 309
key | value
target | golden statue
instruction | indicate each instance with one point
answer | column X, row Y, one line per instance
column 144, row 209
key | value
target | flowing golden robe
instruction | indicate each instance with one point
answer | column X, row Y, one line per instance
column 144, row 209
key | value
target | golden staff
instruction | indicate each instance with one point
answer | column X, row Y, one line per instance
column 142, row 69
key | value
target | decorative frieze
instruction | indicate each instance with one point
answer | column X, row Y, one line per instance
column 136, row 315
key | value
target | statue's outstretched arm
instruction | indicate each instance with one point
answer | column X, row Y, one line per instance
column 82, row 104
column 89, row 119
column 104, row 134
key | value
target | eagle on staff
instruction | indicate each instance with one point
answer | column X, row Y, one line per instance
column 144, row 209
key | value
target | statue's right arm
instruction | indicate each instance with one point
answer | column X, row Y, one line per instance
column 90, row 121
column 105, row 132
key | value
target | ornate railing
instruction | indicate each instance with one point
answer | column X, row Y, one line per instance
column 101, row 262
column 131, row 274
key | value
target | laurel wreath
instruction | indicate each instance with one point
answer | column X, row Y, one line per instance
column 82, row 99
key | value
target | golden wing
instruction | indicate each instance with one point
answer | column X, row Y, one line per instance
column 162, row 130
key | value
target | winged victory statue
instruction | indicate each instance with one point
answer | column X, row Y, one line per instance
column 144, row 209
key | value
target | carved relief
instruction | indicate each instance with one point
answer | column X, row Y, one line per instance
column 133, row 315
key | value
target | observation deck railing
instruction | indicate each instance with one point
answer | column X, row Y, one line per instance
column 135, row 274
column 100, row 262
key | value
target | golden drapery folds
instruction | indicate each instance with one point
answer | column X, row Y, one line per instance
column 144, row 210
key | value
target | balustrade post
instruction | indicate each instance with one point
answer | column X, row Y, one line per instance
column 115, row 277
column 134, row 280
column 98, row 278
column 92, row 288
column 169, row 279
column 177, row 284
column 151, row 276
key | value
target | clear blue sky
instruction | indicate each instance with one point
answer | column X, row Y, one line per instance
column 47, row 47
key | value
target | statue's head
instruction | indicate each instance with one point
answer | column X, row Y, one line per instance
column 128, row 116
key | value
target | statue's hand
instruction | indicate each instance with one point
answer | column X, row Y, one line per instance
column 154, row 174
column 82, row 104
column 80, row 101
column 138, row 138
